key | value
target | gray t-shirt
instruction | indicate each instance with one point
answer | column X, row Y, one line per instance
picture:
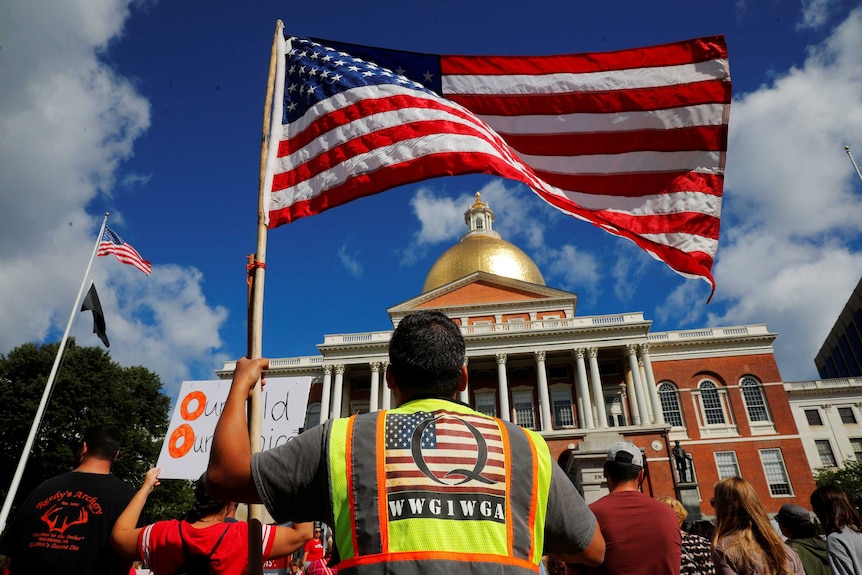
column 292, row 481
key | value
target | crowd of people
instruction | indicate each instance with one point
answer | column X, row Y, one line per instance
column 428, row 487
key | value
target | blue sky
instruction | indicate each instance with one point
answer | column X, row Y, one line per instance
column 152, row 111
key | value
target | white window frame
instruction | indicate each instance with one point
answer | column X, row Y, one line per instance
column 826, row 453
column 714, row 429
column 762, row 427
column 675, row 395
column 559, row 389
column 359, row 406
column 611, row 401
column 770, row 474
column 856, row 446
column 720, row 464
column 485, row 394
column 523, row 392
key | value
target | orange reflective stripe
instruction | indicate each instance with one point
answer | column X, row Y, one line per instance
column 437, row 556
column 534, row 497
column 382, row 512
column 351, row 493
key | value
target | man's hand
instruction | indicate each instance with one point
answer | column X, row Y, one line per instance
column 247, row 372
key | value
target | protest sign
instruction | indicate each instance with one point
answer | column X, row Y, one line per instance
column 186, row 449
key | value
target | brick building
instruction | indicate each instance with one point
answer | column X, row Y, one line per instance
column 584, row 382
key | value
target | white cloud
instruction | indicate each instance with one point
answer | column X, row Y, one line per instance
column 815, row 13
column 789, row 254
column 351, row 263
column 69, row 122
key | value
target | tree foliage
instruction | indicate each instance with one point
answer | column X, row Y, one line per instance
column 90, row 389
column 847, row 478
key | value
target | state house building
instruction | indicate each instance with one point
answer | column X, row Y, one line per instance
column 585, row 382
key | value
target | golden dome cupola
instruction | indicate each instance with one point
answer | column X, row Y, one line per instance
column 481, row 249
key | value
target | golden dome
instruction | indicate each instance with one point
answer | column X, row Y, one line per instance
column 481, row 249
column 485, row 254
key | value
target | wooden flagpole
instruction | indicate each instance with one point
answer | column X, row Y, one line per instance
column 257, row 272
column 49, row 386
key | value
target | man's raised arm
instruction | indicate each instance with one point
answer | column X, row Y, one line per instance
column 228, row 475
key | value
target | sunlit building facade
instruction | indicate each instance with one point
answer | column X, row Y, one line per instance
column 584, row 382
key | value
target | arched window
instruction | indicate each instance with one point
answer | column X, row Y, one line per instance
column 711, row 401
column 669, row 397
column 755, row 403
column 312, row 415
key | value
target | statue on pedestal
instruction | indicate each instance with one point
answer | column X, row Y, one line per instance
column 683, row 463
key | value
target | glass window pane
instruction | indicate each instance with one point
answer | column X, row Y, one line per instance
column 776, row 473
column 561, row 399
column 523, row 403
column 824, row 449
column 669, row 398
column 813, row 417
column 486, row 403
column 711, row 403
column 725, row 462
column 856, row 444
column 752, row 392
column 312, row 415
column 847, row 415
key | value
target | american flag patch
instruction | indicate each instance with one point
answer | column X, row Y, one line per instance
column 444, row 464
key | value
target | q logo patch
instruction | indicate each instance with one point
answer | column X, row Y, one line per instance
column 477, row 446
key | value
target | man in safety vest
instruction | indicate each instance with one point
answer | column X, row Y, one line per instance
column 431, row 486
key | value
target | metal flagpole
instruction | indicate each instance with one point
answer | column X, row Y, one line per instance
column 46, row 394
column 274, row 92
column 858, row 173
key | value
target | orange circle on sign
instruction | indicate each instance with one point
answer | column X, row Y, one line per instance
column 183, row 433
column 184, row 406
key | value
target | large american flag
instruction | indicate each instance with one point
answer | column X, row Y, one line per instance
column 112, row 243
column 632, row 141
column 447, row 447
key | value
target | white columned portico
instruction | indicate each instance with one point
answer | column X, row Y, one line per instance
column 464, row 394
column 658, row 415
column 647, row 398
column 596, row 383
column 585, row 408
column 375, row 386
column 544, row 397
column 325, row 394
column 386, row 403
column 632, row 350
column 503, row 384
column 337, row 391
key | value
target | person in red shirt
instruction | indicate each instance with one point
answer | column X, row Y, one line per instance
column 314, row 549
column 164, row 544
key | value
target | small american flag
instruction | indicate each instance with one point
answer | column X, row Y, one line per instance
column 112, row 243
column 439, row 452
column 632, row 141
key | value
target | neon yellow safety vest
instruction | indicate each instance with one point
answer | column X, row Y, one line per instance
column 435, row 487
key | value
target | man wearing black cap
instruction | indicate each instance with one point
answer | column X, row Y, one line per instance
column 641, row 534
column 795, row 524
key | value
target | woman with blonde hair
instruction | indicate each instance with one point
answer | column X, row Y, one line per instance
column 745, row 542
column 695, row 557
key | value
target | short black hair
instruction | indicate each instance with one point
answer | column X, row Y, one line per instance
column 103, row 442
column 622, row 471
column 204, row 504
column 426, row 354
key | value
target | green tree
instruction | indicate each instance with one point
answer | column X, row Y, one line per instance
column 90, row 389
column 847, row 478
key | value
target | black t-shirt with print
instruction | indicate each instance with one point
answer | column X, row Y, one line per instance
column 65, row 524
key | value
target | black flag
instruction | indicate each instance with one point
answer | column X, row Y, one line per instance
column 91, row 302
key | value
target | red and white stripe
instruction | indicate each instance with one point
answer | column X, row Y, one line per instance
column 632, row 141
